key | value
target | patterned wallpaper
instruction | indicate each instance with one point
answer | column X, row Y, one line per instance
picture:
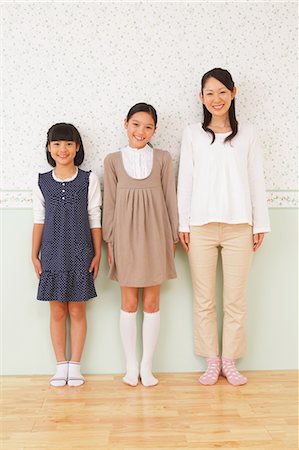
column 88, row 62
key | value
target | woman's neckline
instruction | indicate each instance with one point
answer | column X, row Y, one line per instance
column 222, row 132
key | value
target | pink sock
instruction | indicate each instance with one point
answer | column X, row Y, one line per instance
column 212, row 373
column 230, row 372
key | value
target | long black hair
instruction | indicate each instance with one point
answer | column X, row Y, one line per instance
column 143, row 107
column 225, row 78
column 65, row 132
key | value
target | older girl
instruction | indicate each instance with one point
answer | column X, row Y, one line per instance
column 140, row 224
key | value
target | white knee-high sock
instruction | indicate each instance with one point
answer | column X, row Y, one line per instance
column 150, row 333
column 128, row 332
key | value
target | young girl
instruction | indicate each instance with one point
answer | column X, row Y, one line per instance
column 140, row 224
column 67, row 233
column 222, row 203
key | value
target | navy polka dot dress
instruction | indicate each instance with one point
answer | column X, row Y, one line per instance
column 66, row 250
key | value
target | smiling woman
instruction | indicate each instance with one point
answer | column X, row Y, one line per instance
column 222, row 204
column 217, row 96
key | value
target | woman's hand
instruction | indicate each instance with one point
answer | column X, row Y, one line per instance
column 94, row 266
column 110, row 253
column 257, row 240
column 174, row 248
column 37, row 266
column 185, row 240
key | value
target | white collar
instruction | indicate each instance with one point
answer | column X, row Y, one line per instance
column 65, row 179
column 145, row 149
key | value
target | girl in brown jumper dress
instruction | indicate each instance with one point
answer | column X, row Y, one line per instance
column 140, row 224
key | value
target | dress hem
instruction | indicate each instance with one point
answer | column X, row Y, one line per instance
column 65, row 301
column 143, row 285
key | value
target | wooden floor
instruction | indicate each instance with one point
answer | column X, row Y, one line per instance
column 179, row 413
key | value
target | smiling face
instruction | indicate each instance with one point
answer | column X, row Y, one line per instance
column 216, row 97
column 63, row 152
column 140, row 129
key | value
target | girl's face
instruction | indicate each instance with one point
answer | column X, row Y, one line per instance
column 140, row 129
column 63, row 152
column 216, row 97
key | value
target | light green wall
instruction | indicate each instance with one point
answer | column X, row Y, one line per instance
column 271, row 324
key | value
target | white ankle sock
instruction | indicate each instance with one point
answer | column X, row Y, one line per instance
column 61, row 374
column 150, row 333
column 75, row 378
column 128, row 332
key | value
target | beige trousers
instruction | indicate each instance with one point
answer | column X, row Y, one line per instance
column 236, row 243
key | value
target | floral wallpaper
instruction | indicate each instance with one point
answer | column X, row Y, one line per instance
column 87, row 63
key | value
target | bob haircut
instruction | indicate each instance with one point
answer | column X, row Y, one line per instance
column 225, row 78
column 65, row 132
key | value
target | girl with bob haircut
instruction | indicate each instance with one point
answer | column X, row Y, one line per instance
column 140, row 224
column 222, row 205
column 66, row 245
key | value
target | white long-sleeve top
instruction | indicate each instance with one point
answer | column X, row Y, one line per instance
column 138, row 162
column 222, row 182
column 94, row 200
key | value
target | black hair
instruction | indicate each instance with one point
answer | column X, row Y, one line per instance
column 225, row 78
column 143, row 107
column 65, row 132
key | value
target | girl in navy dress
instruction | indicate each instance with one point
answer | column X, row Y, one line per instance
column 66, row 245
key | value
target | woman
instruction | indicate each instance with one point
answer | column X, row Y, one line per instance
column 222, row 203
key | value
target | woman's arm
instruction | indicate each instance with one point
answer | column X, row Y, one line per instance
column 260, row 215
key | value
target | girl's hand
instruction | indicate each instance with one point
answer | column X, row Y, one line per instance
column 257, row 240
column 94, row 266
column 110, row 253
column 37, row 267
column 185, row 240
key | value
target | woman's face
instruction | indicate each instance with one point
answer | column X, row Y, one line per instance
column 140, row 129
column 216, row 97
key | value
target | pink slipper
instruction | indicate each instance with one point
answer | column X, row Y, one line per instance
column 230, row 372
column 212, row 373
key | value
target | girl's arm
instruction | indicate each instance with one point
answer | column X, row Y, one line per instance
column 37, row 235
column 38, row 227
column 260, row 215
column 96, row 234
column 94, row 201
column 94, row 217
column 168, row 186
column 110, row 185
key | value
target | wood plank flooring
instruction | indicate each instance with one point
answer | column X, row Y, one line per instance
column 179, row 413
